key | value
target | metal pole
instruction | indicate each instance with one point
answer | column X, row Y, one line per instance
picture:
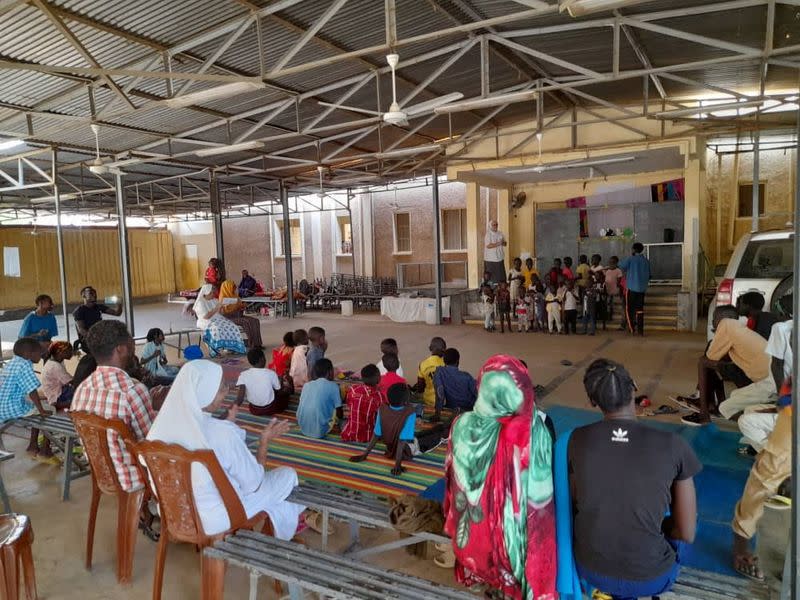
column 124, row 259
column 62, row 271
column 437, row 241
column 352, row 237
column 287, row 248
column 756, row 139
column 216, row 211
column 795, row 391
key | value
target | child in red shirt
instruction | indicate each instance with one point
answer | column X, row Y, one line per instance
column 391, row 363
column 361, row 406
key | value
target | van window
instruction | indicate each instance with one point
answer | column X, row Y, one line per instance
column 767, row 259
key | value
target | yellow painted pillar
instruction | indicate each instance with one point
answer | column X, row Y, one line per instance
column 474, row 236
column 504, row 220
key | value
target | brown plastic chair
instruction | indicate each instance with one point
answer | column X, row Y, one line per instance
column 170, row 469
column 93, row 431
column 16, row 538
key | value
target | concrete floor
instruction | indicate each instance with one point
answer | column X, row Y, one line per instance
column 663, row 364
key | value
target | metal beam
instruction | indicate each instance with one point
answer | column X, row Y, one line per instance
column 310, row 33
column 467, row 46
column 638, row 49
column 287, row 248
column 62, row 271
column 390, row 12
column 124, row 258
column 216, row 212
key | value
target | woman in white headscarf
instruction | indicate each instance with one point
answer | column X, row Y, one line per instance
column 186, row 419
column 218, row 332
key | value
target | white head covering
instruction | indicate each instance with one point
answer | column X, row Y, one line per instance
column 202, row 306
column 180, row 420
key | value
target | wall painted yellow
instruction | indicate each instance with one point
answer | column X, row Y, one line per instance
column 92, row 257
column 199, row 234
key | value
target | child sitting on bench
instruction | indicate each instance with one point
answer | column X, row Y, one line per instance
column 363, row 402
column 395, row 427
column 266, row 393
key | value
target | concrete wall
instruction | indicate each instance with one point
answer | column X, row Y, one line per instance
column 189, row 271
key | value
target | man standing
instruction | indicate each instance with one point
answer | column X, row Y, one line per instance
column 494, row 253
column 637, row 276
column 89, row 313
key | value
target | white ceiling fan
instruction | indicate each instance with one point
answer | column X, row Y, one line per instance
column 100, row 166
column 397, row 115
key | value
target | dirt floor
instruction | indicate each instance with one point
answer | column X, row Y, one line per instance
column 663, row 364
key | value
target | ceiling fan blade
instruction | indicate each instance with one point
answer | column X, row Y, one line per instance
column 351, row 108
column 428, row 105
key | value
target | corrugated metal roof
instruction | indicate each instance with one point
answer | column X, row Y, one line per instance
column 131, row 33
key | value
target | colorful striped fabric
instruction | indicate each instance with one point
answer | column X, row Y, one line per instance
column 326, row 461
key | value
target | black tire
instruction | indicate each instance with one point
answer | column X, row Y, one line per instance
column 781, row 302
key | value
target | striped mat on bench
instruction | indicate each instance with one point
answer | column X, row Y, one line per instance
column 326, row 461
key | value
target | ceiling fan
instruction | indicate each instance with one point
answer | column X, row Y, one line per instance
column 397, row 115
column 99, row 165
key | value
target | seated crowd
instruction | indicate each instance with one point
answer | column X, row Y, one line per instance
column 512, row 489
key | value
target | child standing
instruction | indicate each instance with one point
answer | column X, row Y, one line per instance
column 395, row 426
column 539, row 308
column 262, row 387
column 572, row 301
column 613, row 288
column 528, row 272
column 515, row 279
column 18, row 385
column 554, row 273
column 553, row 304
column 427, row 367
column 298, row 368
column 567, row 270
column 503, row 303
column 582, row 271
column 522, row 314
column 362, row 404
column 595, row 265
column 487, row 306
column 591, row 299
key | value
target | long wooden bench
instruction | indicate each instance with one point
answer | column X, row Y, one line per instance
column 330, row 575
column 59, row 429
column 356, row 509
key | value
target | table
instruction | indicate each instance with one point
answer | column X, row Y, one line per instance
column 277, row 307
column 409, row 310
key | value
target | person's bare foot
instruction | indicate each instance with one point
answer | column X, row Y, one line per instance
column 31, row 449
column 745, row 562
column 46, row 452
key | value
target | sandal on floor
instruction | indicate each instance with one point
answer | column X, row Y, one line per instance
column 443, row 546
column 778, row 502
column 446, row 560
column 148, row 531
column 747, row 566
column 314, row 522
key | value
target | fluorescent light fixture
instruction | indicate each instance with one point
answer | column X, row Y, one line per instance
column 8, row 144
column 489, row 102
column 221, row 91
column 409, row 151
column 254, row 145
column 707, row 109
column 423, row 107
column 578, row 8
column 572, row 165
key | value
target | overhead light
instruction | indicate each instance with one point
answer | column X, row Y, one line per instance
column 254, row 145
column 707, row 109
column 409, row 151
column 488, row 102
column 8, row 144
column 572, row 165
column 578, row 8
column 215, row 93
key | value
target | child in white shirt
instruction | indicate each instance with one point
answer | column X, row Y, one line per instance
column 553, row 304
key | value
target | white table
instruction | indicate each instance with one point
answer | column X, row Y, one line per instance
column 409, row 310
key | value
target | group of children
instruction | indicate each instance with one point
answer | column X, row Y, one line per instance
column 556, row 302
column 377, row 407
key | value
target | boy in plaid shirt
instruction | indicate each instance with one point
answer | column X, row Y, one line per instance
column 18, row 385
column 363, row 401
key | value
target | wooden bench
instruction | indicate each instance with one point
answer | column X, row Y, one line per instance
column 330, row 575
column 59, row 429
column 356, row 509
column 703, row 585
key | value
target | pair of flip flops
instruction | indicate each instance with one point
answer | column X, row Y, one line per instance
column 314, row 521
column 664, row 409
column 748, row 568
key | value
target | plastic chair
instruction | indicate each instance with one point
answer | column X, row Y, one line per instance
column 93, row 431
column 170, row 469
column 16, row 538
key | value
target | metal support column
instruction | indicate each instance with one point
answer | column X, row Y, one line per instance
column 795, row 479
column 437, row 241
column 62, row 271
column 756, row 140
column 124, row 258
column 216, row 212
column 352, row 237
column 287, row 248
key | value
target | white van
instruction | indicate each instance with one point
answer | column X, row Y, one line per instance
column 759, row 263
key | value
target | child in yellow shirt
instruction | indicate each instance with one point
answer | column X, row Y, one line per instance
column 427, row 368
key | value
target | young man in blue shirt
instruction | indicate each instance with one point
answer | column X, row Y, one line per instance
column 320, row 400
column 455, row 389
column 40, row 323
column 637, row 276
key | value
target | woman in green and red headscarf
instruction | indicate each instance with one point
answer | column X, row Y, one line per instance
column 499, row 504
